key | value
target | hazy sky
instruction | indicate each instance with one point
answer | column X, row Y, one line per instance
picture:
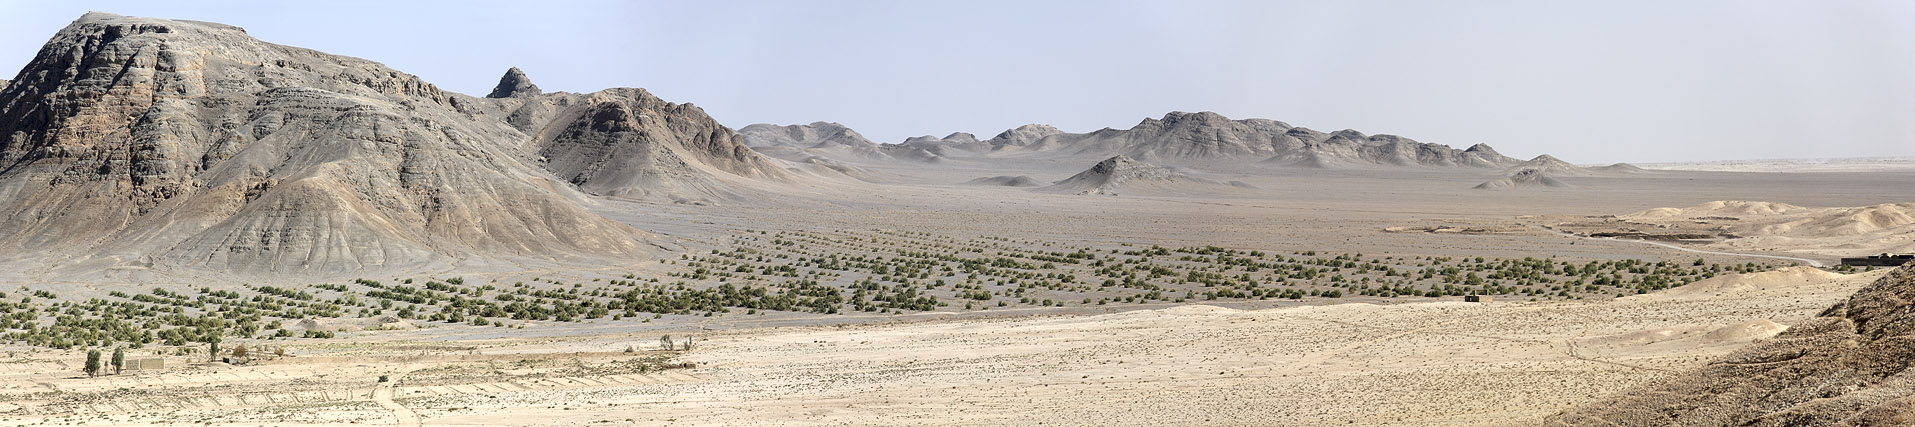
column 1592, row 82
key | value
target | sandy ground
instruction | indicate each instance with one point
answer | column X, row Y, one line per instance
column 1434, row 363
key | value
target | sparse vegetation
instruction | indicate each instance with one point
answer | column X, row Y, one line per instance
column 879, row 272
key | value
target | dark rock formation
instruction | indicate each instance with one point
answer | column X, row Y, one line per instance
column 1849, row 366
column 1005, row 181
column 514, row 85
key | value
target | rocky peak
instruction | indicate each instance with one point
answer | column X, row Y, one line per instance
column 514, row 85
column 1120, row 163
column 957, row 137
column 1023, row 135
column 1176, row 117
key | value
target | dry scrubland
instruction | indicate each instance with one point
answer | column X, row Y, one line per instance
column 1433, row 363
column 308, row 239
column 1270, row 350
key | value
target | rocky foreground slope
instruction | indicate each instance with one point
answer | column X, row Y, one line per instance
column 1849, row 366
column 152, row 143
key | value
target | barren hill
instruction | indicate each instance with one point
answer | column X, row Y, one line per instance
column 1847, row 367
column 1525, row 178
column 1551, row 165
column 1023, row 135
column 151, row 143
column 1124, row 175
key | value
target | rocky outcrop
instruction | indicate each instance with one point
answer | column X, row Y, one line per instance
column 150, row 143
column 1124, row 175
column 1023, row 135
column 514, row 85
column 1526, row 178
column 1551, row 165
column 627, row 143
column 962, row 143
column 1849, row 366
column 3, row 85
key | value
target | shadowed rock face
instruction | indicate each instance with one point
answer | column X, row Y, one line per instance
column 178, row 144
column 627, row 143
column 1850, row 366
column 514, row 85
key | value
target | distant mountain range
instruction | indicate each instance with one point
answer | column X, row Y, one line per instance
column 1177, row 138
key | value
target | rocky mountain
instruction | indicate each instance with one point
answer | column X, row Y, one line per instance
column 1023, row 135
column 152, row 144
column 1849, row 366
column 514, row 85
column 829, row 140
column 1124, row 175
column 1207, row 137
column 626, row 143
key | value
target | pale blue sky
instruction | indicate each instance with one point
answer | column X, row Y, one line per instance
column 1599, row 81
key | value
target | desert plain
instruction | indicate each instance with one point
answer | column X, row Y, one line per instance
column 202, row 228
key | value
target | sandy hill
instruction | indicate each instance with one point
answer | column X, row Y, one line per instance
column 1124, row 175
column 1780, row 280
column 158, row 144
column 1521, row 179
column 1770, row 219
column 1850, row 366
column 1181, row 137
column 831, row 140
column 1619, row 168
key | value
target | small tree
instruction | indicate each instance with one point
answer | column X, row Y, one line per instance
column 119, row 359
column 92, row 362
column 212, row 349
column 665, row 341
column 240, row 353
